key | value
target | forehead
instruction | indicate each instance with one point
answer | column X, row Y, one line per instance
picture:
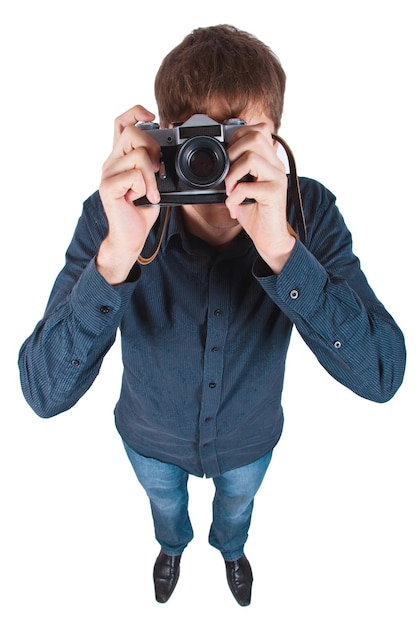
column 220, row 111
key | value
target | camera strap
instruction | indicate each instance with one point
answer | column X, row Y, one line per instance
column 163, row 219
column 294, row 190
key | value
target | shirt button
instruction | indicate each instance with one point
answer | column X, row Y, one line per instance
column 207, row 419
column 337, row 345
column 105, row 309
column 217, row 312
column 212, row 385
column 75, row 362
column 214, row 349
column 294, row 294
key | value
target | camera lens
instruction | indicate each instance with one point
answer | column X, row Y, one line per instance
column 202, row 162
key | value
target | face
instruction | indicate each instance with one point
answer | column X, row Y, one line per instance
column 212, row 221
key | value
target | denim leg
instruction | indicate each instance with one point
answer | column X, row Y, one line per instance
column 233, row 505
column 166, row 486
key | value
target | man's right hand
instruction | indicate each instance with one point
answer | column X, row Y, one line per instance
column 128, row 174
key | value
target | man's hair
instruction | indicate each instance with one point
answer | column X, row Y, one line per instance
column 224, row 63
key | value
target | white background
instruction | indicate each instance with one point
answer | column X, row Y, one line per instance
column 334, row 539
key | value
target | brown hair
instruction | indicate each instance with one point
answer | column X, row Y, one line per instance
column 219, row 62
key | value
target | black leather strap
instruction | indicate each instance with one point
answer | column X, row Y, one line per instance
column 163, row 218
column 295, row 190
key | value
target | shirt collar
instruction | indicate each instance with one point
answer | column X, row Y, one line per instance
column 193, row 245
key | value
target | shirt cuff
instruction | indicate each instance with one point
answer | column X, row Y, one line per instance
column 300, row 283
column 96, row 303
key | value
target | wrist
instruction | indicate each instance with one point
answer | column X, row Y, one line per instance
column 277, row 261
column 113, row 263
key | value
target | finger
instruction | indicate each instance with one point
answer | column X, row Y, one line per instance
column 136, row 114
column 236, row 198
column 132, row 138
column 260, row 168
column 255, row 144
column 260, row 192
column 257, row 134
column 131, row 184
column 140, row 161
column 138, row 158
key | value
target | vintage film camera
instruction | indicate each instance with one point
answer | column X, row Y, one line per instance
column 194, row 163
column 194, row 160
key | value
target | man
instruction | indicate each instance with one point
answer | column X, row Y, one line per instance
column 206, row 321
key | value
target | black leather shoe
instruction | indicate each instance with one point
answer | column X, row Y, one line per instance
column 240, row 578
column 166, row 574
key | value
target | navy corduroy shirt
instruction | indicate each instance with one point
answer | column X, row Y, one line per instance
column 205, row 334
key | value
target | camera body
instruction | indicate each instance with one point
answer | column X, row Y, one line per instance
column 194, row 160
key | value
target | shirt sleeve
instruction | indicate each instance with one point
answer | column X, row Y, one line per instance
column 324, row 292
column 60, row 360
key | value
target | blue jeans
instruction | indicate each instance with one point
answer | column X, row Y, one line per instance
column 167, row 488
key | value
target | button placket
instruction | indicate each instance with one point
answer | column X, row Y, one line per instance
column 217, row 326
